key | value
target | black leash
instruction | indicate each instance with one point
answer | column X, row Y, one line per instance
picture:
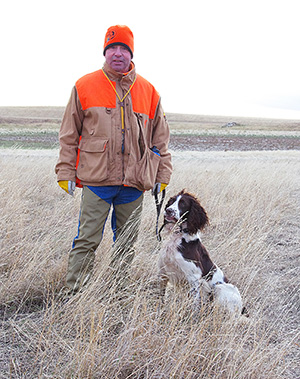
column 158, row 209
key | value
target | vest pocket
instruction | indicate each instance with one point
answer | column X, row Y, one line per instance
column 93, row 160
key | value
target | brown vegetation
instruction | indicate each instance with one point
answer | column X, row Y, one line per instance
column 252, row 199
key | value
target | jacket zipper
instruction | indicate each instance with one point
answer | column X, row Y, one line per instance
column 122, row 115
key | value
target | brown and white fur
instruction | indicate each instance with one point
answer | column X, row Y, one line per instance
column 184, row 259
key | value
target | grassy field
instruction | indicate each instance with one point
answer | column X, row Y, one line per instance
column 252, row 199
column 253, row 204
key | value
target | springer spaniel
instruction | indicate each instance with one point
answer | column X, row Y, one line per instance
column 184, row 259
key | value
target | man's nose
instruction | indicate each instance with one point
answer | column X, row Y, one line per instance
column 118, row 51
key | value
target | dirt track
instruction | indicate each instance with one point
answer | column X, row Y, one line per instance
column 37, row 127
column 177, row 142
column 233, row 143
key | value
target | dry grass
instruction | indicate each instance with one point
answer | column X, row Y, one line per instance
column 253, row 203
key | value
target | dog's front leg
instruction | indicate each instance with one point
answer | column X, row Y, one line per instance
column 200, row 291
column 195, row 290
column 195, row 295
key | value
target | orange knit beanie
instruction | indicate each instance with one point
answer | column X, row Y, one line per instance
column 119, row 35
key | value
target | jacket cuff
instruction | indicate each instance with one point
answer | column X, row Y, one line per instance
column 66, row 175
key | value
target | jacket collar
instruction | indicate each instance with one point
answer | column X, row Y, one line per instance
column 124, row 79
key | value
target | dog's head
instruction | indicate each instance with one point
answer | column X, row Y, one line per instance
column 185, row 207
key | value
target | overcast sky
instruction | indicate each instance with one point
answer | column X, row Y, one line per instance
column 221, row 57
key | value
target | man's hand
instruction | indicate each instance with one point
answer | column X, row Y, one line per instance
column 68, row 186
column 158, row 188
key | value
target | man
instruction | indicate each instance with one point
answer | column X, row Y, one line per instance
column 114, row 143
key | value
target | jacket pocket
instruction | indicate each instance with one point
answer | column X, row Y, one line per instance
column 146, row 169
column 93, row 160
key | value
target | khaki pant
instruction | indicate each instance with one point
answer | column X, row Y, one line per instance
column 93, row 214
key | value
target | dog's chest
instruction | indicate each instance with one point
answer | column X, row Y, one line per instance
column 174, row 264
column 169, row 250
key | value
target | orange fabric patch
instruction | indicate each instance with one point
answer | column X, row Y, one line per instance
column 144, row 97
column 94, row 90
column 78, row 182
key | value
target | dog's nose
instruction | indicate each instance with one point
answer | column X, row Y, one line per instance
column 169, row 212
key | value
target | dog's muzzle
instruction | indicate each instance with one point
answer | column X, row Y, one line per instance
column 169, row 216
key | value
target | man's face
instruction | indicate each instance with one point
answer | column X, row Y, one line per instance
column 118, row 58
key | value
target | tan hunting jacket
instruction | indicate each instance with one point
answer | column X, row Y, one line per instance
column 99, row 149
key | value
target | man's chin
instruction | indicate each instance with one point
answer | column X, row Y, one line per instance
column 118, row 67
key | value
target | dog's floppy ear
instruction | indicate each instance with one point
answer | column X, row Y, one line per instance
column 197, row 217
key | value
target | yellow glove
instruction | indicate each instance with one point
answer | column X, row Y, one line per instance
column 158, row 188
column 68, row 186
